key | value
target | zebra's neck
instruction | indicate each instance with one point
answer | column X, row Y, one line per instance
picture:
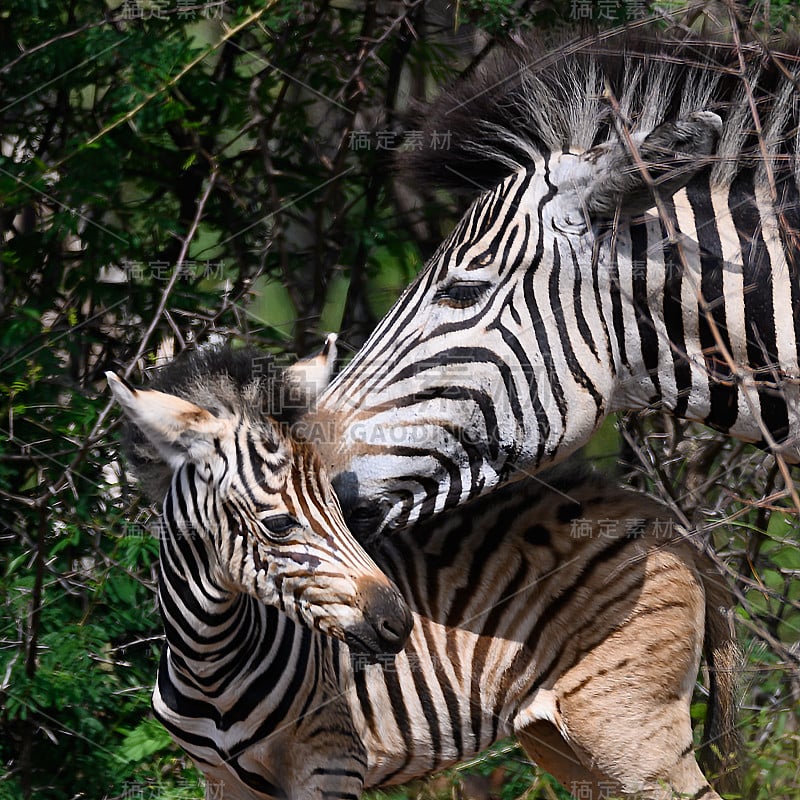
column 243, row 700
column 703, row 325
column 209, row 630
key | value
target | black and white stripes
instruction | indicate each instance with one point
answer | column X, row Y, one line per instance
column 628, row 254
column 571, row 617
column 251, row 537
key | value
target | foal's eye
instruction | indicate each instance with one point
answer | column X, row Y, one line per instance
column 279, row 526
column 461, row 294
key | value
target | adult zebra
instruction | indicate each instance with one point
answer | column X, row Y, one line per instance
column 251, row 537
column 581, row 635
column 557, row 300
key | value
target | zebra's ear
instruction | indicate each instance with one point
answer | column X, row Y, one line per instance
column 610, row 178
column 308, row 377
column 178, row 429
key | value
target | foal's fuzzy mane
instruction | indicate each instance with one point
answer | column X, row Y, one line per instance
column 245, row 382
column 534, row 97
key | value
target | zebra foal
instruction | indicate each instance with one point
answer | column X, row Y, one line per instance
column 251, row 537
column 633, row 243
column 572, row 618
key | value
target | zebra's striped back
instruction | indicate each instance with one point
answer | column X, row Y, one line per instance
column 573, row 617
column 635, row 245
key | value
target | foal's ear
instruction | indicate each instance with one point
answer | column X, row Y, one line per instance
column 609, row 178
column 308, row 377
column 178, row 429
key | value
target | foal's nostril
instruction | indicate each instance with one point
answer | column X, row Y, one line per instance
column 389, row 616
column 392, row 630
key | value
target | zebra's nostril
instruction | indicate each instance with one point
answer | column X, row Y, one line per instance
column 389, row 616
column 393, row 630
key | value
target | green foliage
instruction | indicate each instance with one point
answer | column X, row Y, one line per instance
column 146, row 739
column 170, row 175
column 163, row 173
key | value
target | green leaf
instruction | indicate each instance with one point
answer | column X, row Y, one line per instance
column 14, row 563
column 147, row 738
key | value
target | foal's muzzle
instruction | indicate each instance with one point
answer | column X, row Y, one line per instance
column 386, row 625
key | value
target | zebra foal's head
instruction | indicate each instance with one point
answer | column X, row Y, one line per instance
column 247, row 505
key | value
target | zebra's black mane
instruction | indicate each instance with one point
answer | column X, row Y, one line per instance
column 222, row 380
column 533, row 97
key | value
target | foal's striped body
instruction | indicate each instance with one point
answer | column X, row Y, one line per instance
column 251, row 537
column 573, row 619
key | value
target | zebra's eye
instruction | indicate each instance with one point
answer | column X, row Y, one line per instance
column 461, row 294
column 279, row 526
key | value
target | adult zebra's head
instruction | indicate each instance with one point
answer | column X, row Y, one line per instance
column 497, row 358
column 248, row 508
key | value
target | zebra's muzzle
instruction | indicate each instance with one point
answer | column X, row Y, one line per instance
column 387, row 622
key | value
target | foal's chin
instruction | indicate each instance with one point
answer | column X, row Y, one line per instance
column 373, row 645
column 366, row 649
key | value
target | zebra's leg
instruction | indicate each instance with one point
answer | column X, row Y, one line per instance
column 331, row 780
column 303, row 770
column 221, row 788
column 620, row 705
column 625, row 703
column 548, row 749
column 573, row 766
column 324, row 755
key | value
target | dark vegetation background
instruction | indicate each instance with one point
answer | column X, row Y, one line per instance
column 172, row 170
